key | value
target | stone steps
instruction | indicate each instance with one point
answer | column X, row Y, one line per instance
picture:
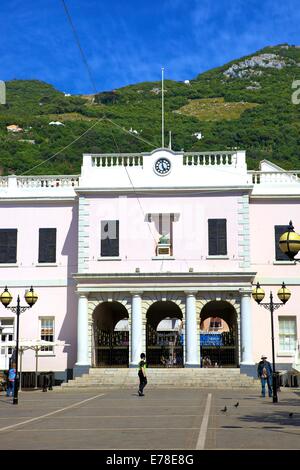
column 184, row 377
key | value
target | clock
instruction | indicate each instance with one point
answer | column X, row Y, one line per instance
column 162, row 166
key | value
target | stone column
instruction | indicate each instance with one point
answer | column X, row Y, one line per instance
column 83, row 361
column 246, row 331
column 191, row 334
column 136, row 339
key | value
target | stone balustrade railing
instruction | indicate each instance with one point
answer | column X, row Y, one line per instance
column 3, row 182
column 111, row 160
column 47, row 181
column 39, row 181
column 283, row 177
column 209, row 158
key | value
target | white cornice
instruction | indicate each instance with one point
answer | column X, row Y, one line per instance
column 189, row 189
column 157, row 275
column 38, row 199
column 232, row 281
column 275, row 196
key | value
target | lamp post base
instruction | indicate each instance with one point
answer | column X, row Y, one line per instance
column 274, row 386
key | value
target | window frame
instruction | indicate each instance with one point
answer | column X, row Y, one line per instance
column 217, row 239
column 45, row 259
column 5, row 248
column 279, row 255
column 111, row 248
column 281, row 345
column 47, row 350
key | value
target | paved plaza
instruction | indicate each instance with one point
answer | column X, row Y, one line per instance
column 173, row 419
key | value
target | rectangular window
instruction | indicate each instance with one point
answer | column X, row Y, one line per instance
column 47, row 332
column 109, row 238
column 279, row 230
column 287, row 334
column 163, row 224
column 215, row 323
column 47, row 245
column 217, row 237
column 8, row 245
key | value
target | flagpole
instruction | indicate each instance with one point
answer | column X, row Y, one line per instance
column 162, row 109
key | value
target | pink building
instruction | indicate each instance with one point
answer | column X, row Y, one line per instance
column 137, row 239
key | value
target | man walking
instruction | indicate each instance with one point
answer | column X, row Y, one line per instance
column 264, row 372
column 142, row 374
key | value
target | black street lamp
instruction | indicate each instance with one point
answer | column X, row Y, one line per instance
column 289, row 243
column 6, row 298
column 283, row 294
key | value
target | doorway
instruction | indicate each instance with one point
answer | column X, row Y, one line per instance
column 164, row 339
column 219, row 335
column 111, row 335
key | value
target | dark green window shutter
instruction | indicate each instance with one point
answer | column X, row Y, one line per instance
column 279, row 230
column 109, row 238
column 47, row 245
column 8, row 245
column 217, row 237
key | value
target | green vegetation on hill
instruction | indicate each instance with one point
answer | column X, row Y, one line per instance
column 244, row 104
column 214, row 109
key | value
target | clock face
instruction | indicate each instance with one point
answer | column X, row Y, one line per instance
column 162, row 166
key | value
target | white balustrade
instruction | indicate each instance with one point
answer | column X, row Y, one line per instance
column 47, row 181
column 209, row 159
column 3, row 182
column 273, row 177
column 111, row 160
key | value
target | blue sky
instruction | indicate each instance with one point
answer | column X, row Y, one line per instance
column 128, row 41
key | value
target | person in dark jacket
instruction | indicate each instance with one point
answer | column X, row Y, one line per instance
column 264, row 372
column 142, row 374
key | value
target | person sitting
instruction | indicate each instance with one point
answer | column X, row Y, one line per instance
column 206, row 362
column 163, row 361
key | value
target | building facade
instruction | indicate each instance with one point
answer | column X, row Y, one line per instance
column 140, row 239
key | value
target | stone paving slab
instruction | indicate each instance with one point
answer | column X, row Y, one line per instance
column 170, row 419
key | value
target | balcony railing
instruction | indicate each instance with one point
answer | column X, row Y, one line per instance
column 208, row 158
column 279, row 177
column 28, row 182
column 47, row 181
column 111, row 160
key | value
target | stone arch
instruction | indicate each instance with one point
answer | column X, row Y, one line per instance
column 174, row 297
column 164, row 345
column 107, row 314
column 109, row 347
column 228, row 309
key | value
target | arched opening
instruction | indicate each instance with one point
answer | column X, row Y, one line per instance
column 219, row 335
column 111, row 335
column 164, row 340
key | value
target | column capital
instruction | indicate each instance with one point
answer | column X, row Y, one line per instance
column 190, row 292
column 82, row 294
column 245, row 291
column 136, row 292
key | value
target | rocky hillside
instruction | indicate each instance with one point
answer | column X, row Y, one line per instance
column 244, row 104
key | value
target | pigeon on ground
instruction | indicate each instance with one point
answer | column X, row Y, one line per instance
column 291, row 415
column 224, row 409
column 236, row 405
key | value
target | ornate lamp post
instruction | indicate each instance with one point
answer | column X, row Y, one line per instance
column 283, row 294
column 289, row 243
column 6, row 298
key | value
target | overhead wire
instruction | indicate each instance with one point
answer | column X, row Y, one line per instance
column 85, row 61
column 64, row 148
